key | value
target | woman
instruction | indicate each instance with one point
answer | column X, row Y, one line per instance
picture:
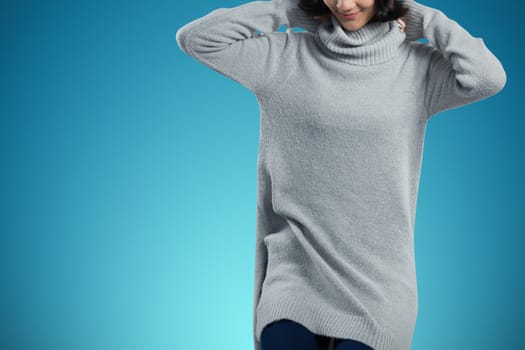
column 344, row 108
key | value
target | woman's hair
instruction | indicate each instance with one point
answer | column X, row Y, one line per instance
column 386, row 10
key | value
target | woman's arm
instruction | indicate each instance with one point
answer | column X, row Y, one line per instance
column 226, row 40
column 462, row 69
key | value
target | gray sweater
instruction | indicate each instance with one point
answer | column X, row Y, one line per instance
column 342, row 123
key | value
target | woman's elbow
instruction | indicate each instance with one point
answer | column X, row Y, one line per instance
column 499, row 80
column 494, row 80
column 181, row 36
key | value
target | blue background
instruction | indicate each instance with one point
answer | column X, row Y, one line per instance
column 128, row 186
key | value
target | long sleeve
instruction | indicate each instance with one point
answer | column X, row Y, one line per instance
column 227, row 41
column 462, row 69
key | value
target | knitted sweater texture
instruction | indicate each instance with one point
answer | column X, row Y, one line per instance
column 342, row 123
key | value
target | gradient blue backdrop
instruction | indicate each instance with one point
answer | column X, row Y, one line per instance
column 128, row 184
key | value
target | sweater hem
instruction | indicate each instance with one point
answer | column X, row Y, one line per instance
column 323, row 321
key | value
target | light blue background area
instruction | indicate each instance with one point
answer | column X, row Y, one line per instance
column 128, row 187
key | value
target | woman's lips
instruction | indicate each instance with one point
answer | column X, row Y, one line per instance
column 350, row 15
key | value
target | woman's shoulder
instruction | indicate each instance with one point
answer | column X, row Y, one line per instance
column 419, row 50
column 280, row 41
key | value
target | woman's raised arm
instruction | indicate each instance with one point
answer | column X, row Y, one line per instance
column 462, row 70
column 226, row 39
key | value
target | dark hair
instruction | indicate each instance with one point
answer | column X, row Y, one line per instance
column 385, row 10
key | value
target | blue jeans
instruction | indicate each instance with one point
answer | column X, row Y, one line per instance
column 286, row 334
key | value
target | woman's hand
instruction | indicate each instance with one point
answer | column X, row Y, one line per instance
column 298, row 17
column 401, row 24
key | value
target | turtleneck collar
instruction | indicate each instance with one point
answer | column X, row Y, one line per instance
column 374, row 43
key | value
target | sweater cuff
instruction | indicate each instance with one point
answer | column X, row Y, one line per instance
column 295, row 16
column 417, row 19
